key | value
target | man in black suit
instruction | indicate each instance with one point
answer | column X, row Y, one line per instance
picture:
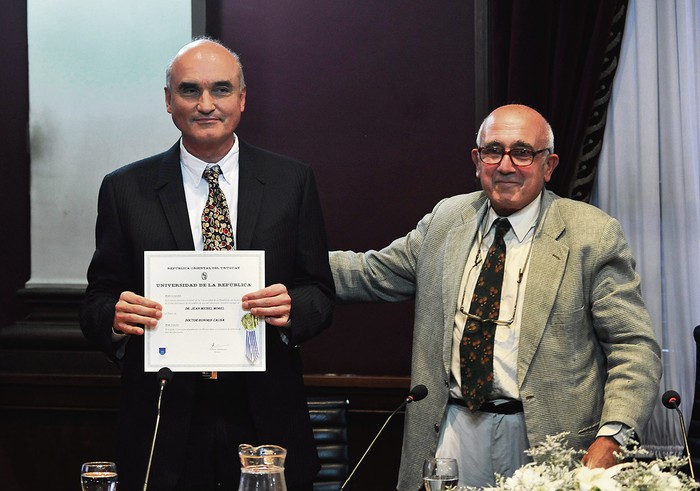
column 156, row 205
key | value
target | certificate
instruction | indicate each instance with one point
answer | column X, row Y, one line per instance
column 203, row 327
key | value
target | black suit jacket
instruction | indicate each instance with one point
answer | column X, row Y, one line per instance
column 142, row 207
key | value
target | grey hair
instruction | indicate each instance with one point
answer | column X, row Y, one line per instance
column 169, row 68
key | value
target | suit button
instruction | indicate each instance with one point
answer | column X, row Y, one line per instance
column 437, row 428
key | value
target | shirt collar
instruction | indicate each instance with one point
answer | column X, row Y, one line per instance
column 522, row 221
column 194, row 167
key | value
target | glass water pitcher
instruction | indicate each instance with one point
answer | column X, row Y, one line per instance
column 262, row 468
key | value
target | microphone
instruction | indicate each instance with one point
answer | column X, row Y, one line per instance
column 671, row 399
column 418, row 393
column 165, row 375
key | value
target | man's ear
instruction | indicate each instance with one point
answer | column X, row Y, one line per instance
column 550, row 165
column 477, row 162
column 167, row 98
column 243, row 93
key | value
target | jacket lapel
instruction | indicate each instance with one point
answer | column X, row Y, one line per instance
column 251, row 187
column 546, row 270
column 457, row 246
column 171, row 194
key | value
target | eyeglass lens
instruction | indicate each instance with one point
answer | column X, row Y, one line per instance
column 494, row 154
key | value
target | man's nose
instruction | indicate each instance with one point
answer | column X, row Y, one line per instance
column 206, row 103
column 506, row 165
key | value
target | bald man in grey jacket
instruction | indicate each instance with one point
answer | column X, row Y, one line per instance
column 574, row 349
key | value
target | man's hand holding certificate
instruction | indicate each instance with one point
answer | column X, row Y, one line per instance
column 204, row 326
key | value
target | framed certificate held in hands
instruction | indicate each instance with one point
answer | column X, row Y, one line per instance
column 204, row 327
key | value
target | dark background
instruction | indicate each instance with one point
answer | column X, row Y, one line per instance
column 382, row 99
column 378, row 98
column 14, row 134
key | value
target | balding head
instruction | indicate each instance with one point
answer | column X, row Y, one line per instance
column 198, row 43
column 524, row 111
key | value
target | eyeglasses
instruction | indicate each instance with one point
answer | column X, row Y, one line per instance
column 477, row 260
column 479, row 320
column 520, row 156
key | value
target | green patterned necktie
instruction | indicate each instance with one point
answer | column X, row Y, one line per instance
column 216, row 221
column 476, row 350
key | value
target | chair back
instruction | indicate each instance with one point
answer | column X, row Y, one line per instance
column 329, row 420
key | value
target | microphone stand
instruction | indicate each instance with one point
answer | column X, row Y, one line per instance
column 671, row 399
column 370, row 445
column 685, row 440
column 419, row 392
column 164, row 375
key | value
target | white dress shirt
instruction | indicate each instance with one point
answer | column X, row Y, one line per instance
column 518, row 245
column 197, row 188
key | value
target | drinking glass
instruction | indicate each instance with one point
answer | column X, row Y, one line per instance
column 440, row 474
column 98, row 476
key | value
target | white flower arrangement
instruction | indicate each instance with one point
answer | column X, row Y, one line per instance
column 557, row 467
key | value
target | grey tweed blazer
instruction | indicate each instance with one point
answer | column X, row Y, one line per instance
column 587, row 352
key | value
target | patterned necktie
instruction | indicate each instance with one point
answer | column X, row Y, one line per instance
column 216, row 221
column 476, row 350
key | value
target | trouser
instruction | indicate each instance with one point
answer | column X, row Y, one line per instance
column 221, row 420
column 484, row 443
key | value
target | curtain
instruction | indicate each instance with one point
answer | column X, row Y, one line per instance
column 649, row 179
column 558, row 57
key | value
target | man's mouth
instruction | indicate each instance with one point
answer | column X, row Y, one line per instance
column 206, row 120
